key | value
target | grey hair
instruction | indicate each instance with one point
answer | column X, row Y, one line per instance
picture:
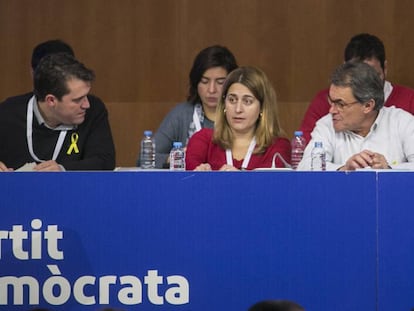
column 363, row 80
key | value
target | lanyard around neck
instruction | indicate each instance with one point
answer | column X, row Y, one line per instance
column 229, row 155
column 196, row 120
column 29, row 134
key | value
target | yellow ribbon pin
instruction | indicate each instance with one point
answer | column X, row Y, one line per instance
column 73, row 146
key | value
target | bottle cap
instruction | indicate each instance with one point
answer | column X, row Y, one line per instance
column 148, row 133
column 177, row 144
column 298, row 133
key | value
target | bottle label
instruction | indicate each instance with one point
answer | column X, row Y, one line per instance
column 297, row 156
column 318, row 162
column 147, row 154
column 177, row 160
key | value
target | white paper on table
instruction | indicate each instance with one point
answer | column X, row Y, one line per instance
column 28, row 167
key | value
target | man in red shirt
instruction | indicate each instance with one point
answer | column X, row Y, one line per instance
column 369, row 49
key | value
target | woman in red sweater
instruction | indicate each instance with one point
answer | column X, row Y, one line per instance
column 247, row 133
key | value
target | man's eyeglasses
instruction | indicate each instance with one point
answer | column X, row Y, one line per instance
column 340, row 104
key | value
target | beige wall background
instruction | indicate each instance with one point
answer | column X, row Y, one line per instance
column 142, row 50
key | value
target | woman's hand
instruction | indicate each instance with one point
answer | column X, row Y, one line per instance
column 228, row 168
column 203, row 167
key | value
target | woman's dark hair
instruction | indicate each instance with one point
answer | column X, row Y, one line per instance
column 213, row 56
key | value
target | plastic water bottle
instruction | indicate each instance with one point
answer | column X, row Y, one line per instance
column 177, row 157
column 318, row 157
column 147, row 151
column 298, row 147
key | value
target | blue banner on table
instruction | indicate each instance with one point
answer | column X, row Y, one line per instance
column 187, row 241
column 396, row 241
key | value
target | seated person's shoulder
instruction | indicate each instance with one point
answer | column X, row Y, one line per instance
column 183, row 108
column 402, row 92
column 204, row 133
column 97, row 106
column 402, row 88
column 182, row 112
column 281, row 140
column 15, row 105
column 322, row 94
column 18, row 99
column 401, row 97
column 95, row 101
column 397, row 113
column 319, row 105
